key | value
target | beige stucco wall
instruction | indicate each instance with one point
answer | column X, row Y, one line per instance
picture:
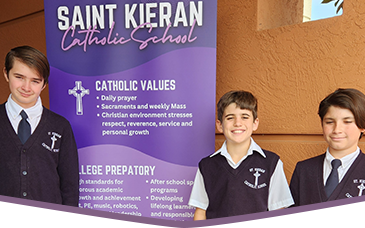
column 261, row 47
column 290, row 69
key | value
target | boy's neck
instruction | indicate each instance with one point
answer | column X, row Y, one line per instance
column 238, row 151
column 338, row 154
column 22, row 105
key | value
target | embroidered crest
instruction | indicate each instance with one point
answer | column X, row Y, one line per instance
column 54, row 138
column 256, row 172
column 360, row 184
column 361, row 187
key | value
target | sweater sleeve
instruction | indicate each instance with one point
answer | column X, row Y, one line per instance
column 68, row 168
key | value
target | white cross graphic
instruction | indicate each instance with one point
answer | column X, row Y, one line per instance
column 54, row 139
column 361, row 187
column 256, row 178
column 78, row 91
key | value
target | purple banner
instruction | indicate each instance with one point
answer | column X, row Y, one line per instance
column 136, row 80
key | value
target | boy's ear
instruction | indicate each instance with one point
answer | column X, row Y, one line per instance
column 219, row 126
column 362, row 131
column 44, row 86
column 5, row 74
column 255, row 124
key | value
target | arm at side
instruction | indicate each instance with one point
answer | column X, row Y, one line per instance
column 199, row 214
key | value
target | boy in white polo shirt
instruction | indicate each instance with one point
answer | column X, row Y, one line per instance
column 240, row 178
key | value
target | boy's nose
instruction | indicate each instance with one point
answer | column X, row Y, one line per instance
column 337, row 128
column 238, row 122
column 26, row 85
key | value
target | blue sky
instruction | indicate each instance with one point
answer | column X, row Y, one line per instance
column 320, row 11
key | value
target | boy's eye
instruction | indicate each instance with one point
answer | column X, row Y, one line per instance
column 328, row 122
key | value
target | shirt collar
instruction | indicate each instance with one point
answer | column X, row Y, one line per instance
column 253, row 147
column 32, row 112
column 347, row 160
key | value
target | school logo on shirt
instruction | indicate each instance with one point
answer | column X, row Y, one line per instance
column 54, row 137
column 360, row 184
column 256, row 172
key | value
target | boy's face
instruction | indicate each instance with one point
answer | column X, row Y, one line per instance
column 25, row 84
column 340, row 131
column 237, row 124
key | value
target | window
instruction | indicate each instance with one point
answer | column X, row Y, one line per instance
column 321, row 9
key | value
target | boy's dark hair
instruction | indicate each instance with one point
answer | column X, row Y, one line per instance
column 31, row 57
column 350, row 99
column 243, row 100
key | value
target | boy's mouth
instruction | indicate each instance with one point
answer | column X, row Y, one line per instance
column 26, row 95
column 238, row 131
column 337, row 138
